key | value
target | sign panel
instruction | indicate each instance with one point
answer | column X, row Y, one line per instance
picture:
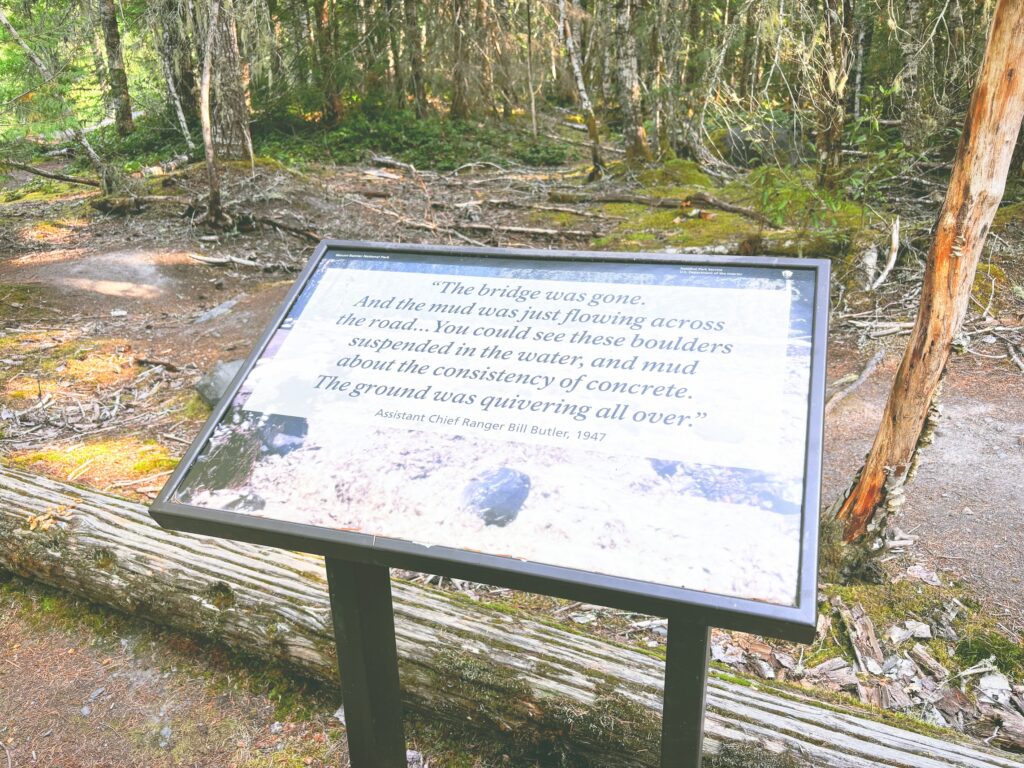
column 645, row 419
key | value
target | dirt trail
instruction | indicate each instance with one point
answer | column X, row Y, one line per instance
column 966, row 503
column 75, row 697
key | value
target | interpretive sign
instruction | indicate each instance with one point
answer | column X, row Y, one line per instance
column 648, row 419
column 635, row 430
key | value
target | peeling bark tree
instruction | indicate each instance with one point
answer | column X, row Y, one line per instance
column 117, row 78
column 975, row 189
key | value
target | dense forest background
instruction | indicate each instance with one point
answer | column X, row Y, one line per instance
column 868, row 94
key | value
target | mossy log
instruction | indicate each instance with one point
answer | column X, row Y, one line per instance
column 522, row 680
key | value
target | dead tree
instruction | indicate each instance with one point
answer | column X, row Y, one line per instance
column 975, row 189
column 117, row 78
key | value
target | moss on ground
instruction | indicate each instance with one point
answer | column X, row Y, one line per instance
column 40, row 191
column 810, row 223
column 675, row 174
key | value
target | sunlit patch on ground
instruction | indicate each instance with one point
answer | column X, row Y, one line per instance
column 118, row 288
column 59, row 232
column 41, row 363
column 55, row 256
column 124, row 464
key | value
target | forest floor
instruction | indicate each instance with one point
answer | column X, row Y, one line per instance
column 108, row 321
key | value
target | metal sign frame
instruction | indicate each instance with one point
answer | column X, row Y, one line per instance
column 356, row 558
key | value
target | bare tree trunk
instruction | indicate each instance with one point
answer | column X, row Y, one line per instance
column 659, row 83
column 414, row 46
column 394, row 29
column 833, row 76
column 501, row 674
column 628, row 80
column 581, row 87
column 975, row 188
column 858, row 73
column 116, row 75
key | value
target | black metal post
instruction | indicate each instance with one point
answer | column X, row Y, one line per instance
column 364, row 633
column 686, row 674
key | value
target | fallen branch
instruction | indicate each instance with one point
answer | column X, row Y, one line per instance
column 713, row 202
column 521, row 204
column 415, row 223
column 383, row 161
column 305, row 234
column 536, row 231
column 50, row 174
column 894, row 247
column 497, row 672
column 836, row 397
column 701, row 198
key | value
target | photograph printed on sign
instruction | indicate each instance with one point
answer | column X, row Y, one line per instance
column 645, row 421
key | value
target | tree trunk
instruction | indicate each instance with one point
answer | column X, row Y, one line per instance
column 414, row 47
column 327, row 55
column 117, row 78
column 498, row 673
column 214, row 211
column 975, row 188
column 581, row 87
column 910, row 46
column 176, row 53
column 529, row 65
column 834, row 74
column 230, row 113
column 628, row 81
column 394, row 24
column 460, row 70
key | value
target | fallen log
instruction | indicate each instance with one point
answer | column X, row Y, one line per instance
column 50, row 174
column 502, row 673
column 701, row 198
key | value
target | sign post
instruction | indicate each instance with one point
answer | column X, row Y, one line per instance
column 641, row 431
column 364, row 634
